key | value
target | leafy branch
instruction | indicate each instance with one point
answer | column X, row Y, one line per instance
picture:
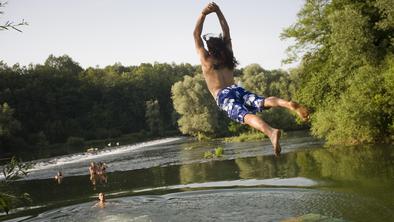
column 15, row 169
column 8, row 201
column 11, row 25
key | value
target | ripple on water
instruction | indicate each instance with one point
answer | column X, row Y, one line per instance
column 274, row 182
column 247, row 204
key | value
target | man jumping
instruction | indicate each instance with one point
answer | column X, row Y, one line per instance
column 218, row 65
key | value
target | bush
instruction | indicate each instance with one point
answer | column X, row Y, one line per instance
column 357, row 115
column 219, row 151
column 208, row 155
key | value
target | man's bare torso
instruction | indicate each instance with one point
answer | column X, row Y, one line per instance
column 216, row 79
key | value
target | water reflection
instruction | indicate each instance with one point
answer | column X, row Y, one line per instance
column 361, row 173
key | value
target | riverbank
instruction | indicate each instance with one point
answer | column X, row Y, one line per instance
column 257, row 136
column 77, row 145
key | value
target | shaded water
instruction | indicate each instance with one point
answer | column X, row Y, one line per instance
column 169, row 180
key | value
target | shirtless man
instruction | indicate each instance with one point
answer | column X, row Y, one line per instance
column 93, row 173
column 101, row 172
column 218, row 65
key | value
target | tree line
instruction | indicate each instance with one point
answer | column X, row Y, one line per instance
column 60, row 102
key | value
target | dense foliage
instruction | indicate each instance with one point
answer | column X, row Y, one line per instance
column 200, row 116
column 347, row 68
column 59, row 101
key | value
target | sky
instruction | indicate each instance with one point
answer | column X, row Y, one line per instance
column 100, row 33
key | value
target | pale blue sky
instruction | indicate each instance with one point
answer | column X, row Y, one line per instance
column 96, row 32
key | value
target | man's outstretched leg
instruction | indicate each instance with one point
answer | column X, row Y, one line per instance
column 274, row 134
column 301, row 111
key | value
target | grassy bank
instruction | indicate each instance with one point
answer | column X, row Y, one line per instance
column 256, row 136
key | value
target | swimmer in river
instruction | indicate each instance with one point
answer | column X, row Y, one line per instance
column 93, row 173
column 59, row 177
column 101, row 172
column 218, row 64
column 101, row 200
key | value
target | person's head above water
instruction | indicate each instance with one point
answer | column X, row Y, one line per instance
column 101, row 197
column 219, row 50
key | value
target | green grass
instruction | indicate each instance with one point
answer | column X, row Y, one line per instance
column 217, row 153
column 243, row 137
column 208, row 155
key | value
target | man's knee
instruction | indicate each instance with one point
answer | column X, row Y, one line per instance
column 270, row 102
column 249, row 119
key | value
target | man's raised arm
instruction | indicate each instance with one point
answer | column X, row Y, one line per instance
column 197, row 33
column 198, row 30
column 223, row 24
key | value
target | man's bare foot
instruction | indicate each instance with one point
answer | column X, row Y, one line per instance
column 301, row 110
column 275, row 136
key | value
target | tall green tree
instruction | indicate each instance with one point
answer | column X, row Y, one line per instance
column 152, row 116
column 199, row 115
column 8, row 124
column 346, row 48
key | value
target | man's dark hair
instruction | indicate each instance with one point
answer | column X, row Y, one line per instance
column 217, row 47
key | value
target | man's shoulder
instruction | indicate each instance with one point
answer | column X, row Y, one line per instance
column 207, row 63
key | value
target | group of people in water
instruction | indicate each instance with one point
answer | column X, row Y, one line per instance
column 97, row 173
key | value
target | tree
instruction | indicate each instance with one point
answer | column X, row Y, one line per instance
column 152, row 116
column 8, row 124
column 346, row 48
column 199, row 115
column 271, row 83
column 62, row 65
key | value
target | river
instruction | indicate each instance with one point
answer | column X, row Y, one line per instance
column 170, row 180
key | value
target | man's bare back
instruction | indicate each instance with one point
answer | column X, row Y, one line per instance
column 217, row 79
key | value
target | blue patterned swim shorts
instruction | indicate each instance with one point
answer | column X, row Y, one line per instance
column 237, row 102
